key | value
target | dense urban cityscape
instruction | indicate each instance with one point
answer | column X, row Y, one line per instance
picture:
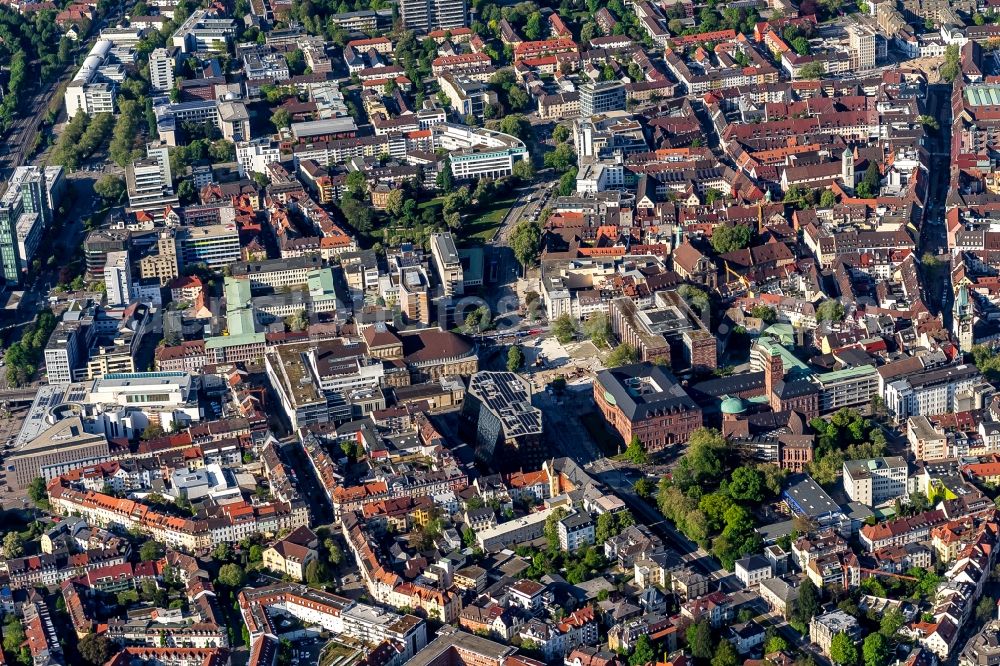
column 499, row 333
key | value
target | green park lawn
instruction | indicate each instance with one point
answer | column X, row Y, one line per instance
column 480, row 225
column 486, row 220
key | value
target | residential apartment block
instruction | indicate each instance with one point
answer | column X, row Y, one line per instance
column 876, row 481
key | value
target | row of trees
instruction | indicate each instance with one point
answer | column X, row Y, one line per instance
column 232, row 567
column 525, row 241
column 697, row 298
column 706, row 648
column 564, row 328
column 830, row 310
column 82, row 137
column 919, row 587
column 478, row 320
column 623, row 354
column 812, row 70
column 320, row 572
column 124, row 148
column 798, row 37
column 515, row 358
column 524, row 17
column 562, row 159
column 740, row 19
column 598, row 330
column 215, row 149
column 415, row 57
column 314, row 15
column 298, row 322
column 708, row 497
column 26, row 40
column 354, row 205
column 952, row 63
column 110, row 188
column 219, row 150
column 23, row 356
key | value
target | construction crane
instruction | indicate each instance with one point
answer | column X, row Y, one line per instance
column 889, row 574
column 739, row 278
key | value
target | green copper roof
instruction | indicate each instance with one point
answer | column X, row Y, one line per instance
column 733, row 405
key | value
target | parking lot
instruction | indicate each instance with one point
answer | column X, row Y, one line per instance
column 307, row 650
column 11, row 419
column 10, row 425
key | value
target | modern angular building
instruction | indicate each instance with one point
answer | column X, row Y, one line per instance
column 806, row 498
column 161, row 70
column 90, row 342
column 929, row 392
column 255, row 156
column 150, row 182
column 215, row 245
column 514, row 532
column 508, row 430
column 277, row 273
column 318, row 382
column 447, row 263
column 118, row 279
column 848, row 388
column 94, row 87
column 414, row 295
column 601, row 97
column 203, row 32
column 66, row 351
column 478, row 153
column 861, row 41
column 98, row 244
column 26, row 210
column 229, row 116
column 467, row 96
